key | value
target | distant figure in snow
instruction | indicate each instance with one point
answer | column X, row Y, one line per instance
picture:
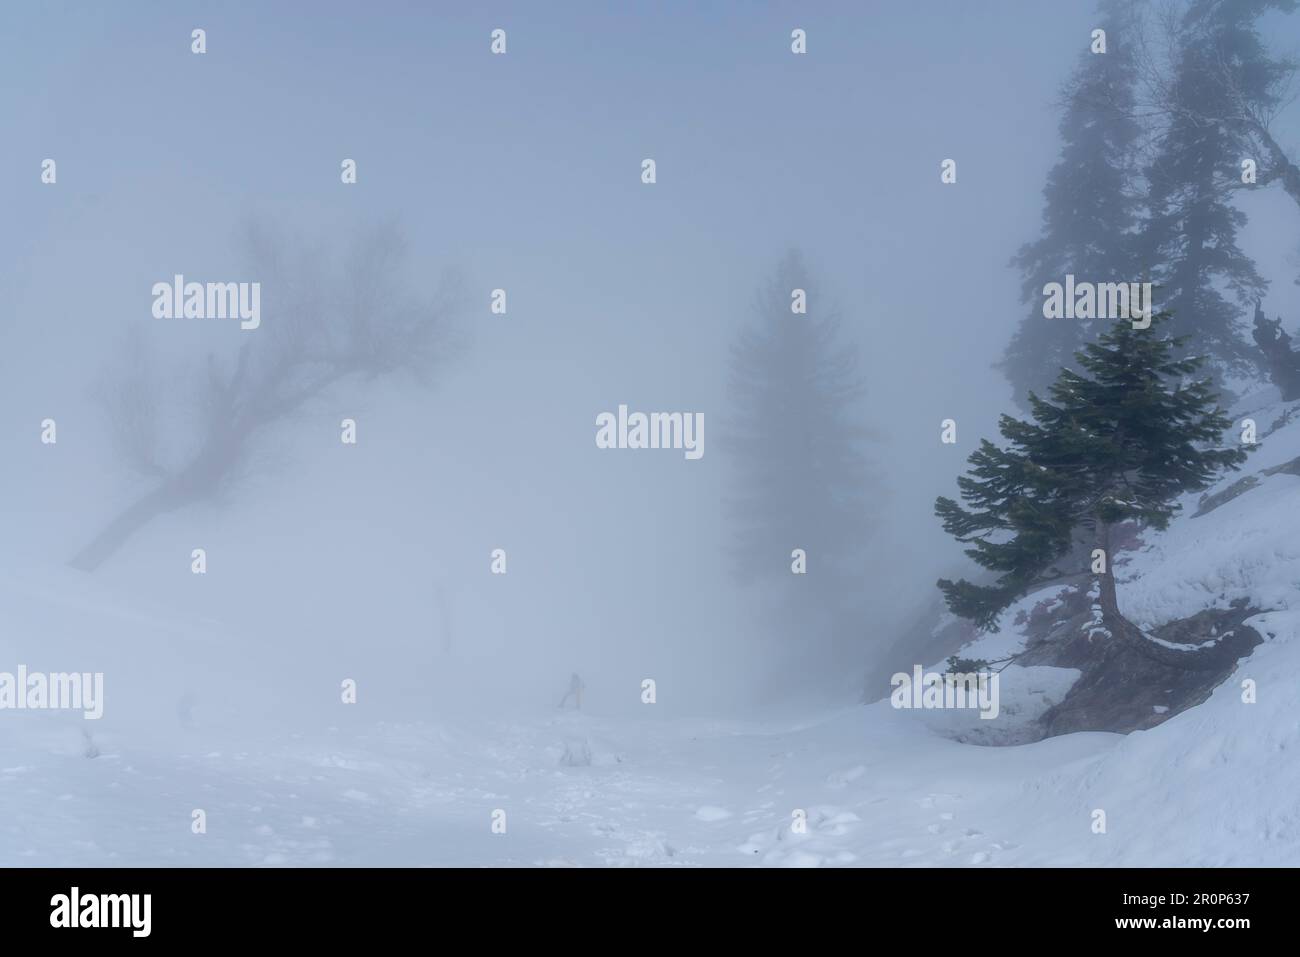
column 574, row 692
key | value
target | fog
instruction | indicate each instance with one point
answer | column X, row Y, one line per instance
column 519, row 172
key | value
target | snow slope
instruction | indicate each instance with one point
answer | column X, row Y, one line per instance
column 869, row 785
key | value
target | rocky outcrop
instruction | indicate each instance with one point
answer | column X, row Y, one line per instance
column 1135, row 681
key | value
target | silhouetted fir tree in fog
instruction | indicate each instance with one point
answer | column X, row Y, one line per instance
column 799, row 476
column 1091, row 206
column 1190, row 238
column 1118, row 441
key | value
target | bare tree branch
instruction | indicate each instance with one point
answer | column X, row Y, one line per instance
column 327, row 320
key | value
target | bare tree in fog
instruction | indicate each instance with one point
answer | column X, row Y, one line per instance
column 330, row 319
column 1190, row 238
column 1244, row 88
column 796, row 443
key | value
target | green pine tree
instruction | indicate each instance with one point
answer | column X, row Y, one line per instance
column 1119, row 440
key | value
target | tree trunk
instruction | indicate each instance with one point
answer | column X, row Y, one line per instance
column 117, row 532
column 194, row 483
column 1123, row 630
column 1120, row 628
column 1108, row 600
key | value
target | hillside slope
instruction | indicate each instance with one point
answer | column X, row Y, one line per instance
column 291, row 784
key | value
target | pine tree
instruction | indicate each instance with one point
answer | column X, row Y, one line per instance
column 1120, row 440
column 1190, row 237
column 1091, row 206
column 799, row 475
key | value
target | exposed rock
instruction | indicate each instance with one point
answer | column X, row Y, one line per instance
column 1286, row 468
column 1131, row 682
column 1280, row 360
column 1208, row 503
column 1282, row 420
column 1128, row 680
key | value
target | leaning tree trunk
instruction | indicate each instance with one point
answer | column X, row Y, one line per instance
column 117, row 532
column 195, row 483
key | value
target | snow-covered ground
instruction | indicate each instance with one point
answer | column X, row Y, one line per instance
column 1211, row 786
column 867, row 785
